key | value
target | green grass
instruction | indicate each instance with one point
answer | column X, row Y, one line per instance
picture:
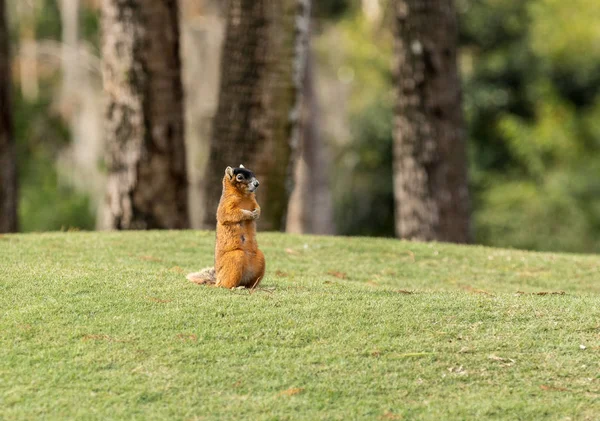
column 105, row 326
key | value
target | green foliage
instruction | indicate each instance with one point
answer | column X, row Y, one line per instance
column 362, row 176
column 532, row 100
column 567, row 35
column 367, row 53
column 47, row 25
column 531, row 77
column 44, row 202
column 333, row 9
column 115, row 331
column 90, row 27
column 47, row 205
column 527, row 215
column 364, row 195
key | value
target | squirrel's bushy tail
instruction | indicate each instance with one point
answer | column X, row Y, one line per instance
column 205, row 276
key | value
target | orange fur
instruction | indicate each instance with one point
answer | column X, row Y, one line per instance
column 238, row 261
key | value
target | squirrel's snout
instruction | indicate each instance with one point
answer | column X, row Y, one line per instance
column 253, row 184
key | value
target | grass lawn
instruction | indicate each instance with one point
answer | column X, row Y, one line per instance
column 105, row 326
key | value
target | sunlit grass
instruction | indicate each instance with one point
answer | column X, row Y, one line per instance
column 105, row 326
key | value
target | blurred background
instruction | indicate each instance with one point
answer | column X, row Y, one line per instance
column 529, row 91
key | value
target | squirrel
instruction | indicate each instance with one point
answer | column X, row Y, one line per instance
column 238, row 261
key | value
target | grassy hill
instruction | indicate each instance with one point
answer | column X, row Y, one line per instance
column 105, row 326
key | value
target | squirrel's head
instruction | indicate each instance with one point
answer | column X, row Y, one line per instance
column 242, row 179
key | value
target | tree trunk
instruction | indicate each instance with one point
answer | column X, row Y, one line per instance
column 146, row 186
column 430, row 175
column 81, row 105
column 70, row 65
column 202, row 35
column 28, row 64
column 256, row 123
column 8, row 165
column 310, row 210
column 371, row 10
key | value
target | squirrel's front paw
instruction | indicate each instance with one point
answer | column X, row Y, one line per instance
column 251, row 214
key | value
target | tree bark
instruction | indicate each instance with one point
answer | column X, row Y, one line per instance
column 147, row 185
column 8, row 164
column 256, row 123
column 69, row 19
column 28, row 64
column 202, row 35
column 430, row 165
column 310, row 210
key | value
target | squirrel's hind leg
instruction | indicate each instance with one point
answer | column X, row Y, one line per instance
column 254, row 270
column 230, row 268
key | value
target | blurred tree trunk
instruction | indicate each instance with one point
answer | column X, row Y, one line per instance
column 81, row 105
column 310, row 209
column 8, row 165
column 146, row 186
column 256, row 123
column 70, row 65
column 372, row 10
column 430, row 165
column 202, row 34
column 28, row 64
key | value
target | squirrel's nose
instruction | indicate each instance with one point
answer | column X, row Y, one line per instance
column 256, row 183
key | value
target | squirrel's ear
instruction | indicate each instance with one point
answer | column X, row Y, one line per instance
column 229, row 172
column 241, row 166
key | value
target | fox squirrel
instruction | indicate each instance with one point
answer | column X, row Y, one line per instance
column 238, row 261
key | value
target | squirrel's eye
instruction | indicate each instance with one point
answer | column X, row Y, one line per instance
column 240, row 177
